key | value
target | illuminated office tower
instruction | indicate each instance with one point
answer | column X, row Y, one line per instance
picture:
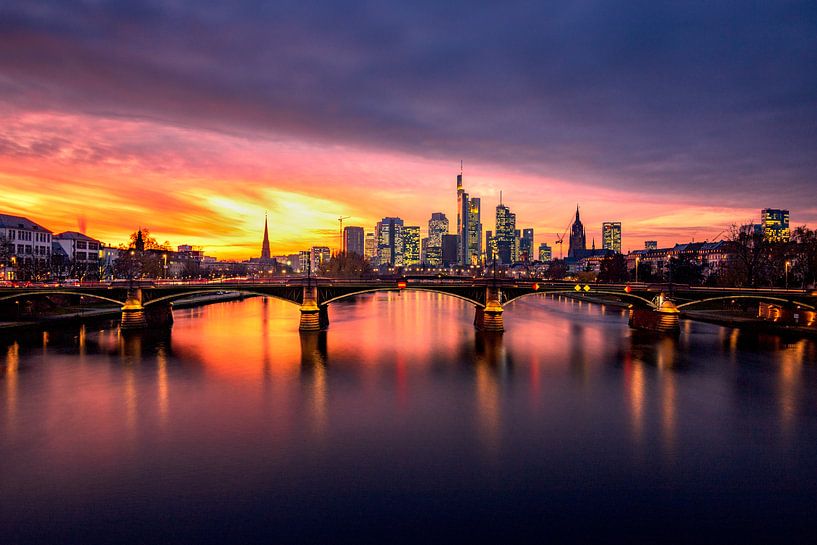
column 437, row 227
column 611, row 236
column 474, row 232
column 304, row 260
column 390, row 242
column 320, row 256
column 525, row 251
column 775, row 224
column 490, row 247
column 650, row 244
column 505, row 235
column 469, row 227
column 545, row 253
column 411, row 245
column 370, row 248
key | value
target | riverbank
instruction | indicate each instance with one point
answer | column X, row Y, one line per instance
column 115, row 312
column 717, row 317
column 748, row 323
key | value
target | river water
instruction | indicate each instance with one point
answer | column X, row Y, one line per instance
column 401, row 424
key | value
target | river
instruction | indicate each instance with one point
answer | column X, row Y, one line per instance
column 401, row 424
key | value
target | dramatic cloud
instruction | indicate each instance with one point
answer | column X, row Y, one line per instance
column 712, row 106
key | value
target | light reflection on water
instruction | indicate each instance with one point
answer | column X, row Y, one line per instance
column 400, row 408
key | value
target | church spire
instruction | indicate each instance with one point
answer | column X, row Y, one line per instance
column 265, row 253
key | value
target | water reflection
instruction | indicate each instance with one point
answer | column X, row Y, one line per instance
column 401, row 398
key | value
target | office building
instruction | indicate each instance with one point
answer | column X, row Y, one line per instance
column 370, row 248
column 320, row 256
column 505, row 234
column 545, row 253
column 390, row 242
column 437, row 227
column 411, row 245
column 469, row 227
column 611, row 236
column 775, row 224
column 525, row 252
column 650, row 244
column 353, row 240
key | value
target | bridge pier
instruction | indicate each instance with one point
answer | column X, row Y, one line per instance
column 489, row 317
column 133, row 313
column 159, row 315
column 664, row 319
column 313, row 317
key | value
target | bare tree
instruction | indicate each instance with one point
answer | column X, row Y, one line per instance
column 751, row 252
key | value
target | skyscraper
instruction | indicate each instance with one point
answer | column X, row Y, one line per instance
column 353, row 240
column 437, row 227
column 611, row 236
column 505, row 235
column 490, row 247
column 474, row 232
column 775, row 223
column 390, row 242
column 265, row 253
column 370, row 249
column 411, row 245
column 469, row 227
column 526, row 245
column 578, row 242
column 545, row 253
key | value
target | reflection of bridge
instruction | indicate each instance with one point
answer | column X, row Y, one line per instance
column 146, row 303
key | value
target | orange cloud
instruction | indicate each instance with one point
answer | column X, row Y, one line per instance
column 212, row 189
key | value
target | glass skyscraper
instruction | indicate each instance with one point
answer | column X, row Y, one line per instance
column 437, row 227
column 411, row 245
column 611, row 236
column 775, row 224
column 505, row 235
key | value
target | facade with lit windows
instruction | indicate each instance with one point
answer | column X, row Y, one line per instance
column 775, row 224
column 611, row 236
column 505, row 234
column 411, row 245
column 28, row 248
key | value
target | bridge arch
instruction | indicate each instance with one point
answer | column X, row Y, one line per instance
column 755, row 297
column 184, row 294
column 644, row 300
column 409, row 288
column 59, row 292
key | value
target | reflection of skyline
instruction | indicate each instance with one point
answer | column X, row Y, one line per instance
column 259, row 354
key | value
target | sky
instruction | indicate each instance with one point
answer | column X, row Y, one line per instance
column 195, row 118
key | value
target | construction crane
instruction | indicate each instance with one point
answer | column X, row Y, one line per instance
column 340, row 231
column 560, row 239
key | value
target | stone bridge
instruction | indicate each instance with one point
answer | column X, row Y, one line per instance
column 145, row 303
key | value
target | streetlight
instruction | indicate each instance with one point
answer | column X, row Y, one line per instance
column 636, row 269
column 786, row 267
column 164, row 256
